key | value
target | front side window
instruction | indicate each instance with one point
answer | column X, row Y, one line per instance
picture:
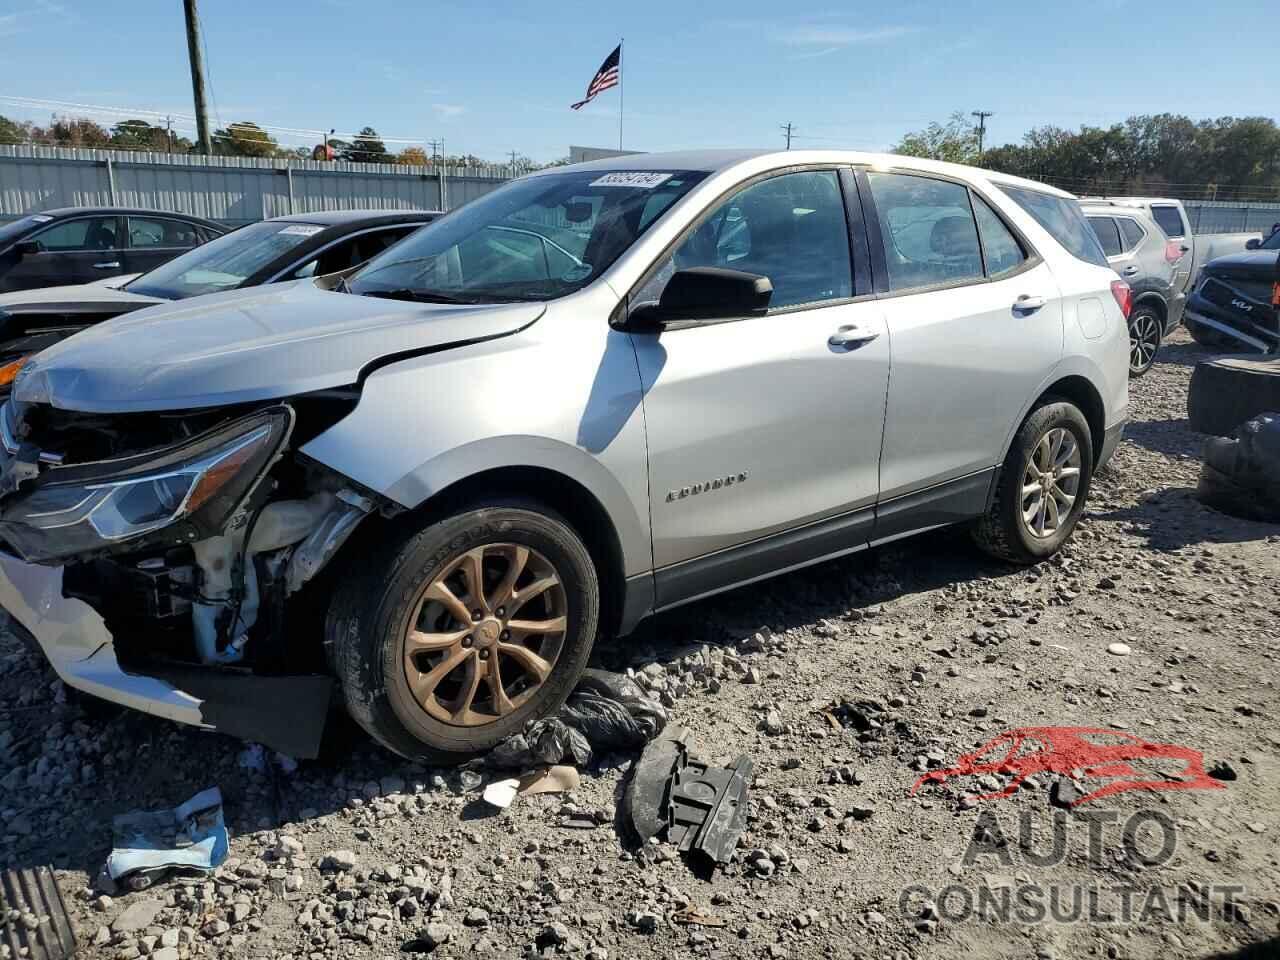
column 1001, row 249
column 224, row 263
column 90, row 233
column 152, row 232
column 928, row 229
column 1170, row 221
column 791, row 229
column 1131, row 233
column 1108, row 235
column 1062, row 219
column 537, row 238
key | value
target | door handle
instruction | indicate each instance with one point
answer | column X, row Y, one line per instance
column 851, row 336
column 109, row 265
column 1029, row 304
column 1131, row 271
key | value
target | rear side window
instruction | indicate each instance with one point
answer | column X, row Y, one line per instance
column 1131, row 233
column 1170, row 221
column 929, row 233
column 1003, row 252
column 1108, row 235
column 1062, row 218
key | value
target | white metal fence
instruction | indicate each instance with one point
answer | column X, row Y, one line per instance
column 233, row 190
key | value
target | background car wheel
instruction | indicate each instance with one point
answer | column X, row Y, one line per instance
column 1042, row 488
column 1144, row 339
column 456, row 636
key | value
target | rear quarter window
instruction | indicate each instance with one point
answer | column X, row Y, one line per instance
column 1063, row 219
column 1170, row 221
column 1132, row 233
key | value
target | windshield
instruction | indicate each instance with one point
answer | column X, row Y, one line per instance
column 12, row 231
column 1272, row 242
column 223, row 263
column 534, row 239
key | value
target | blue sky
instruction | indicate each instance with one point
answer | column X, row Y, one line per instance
column 490, row 77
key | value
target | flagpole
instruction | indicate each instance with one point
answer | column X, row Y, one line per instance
column 621, row 80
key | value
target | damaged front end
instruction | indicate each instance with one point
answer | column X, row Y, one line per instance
column 193, row 535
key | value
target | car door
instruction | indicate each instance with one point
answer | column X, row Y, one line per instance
column 75, row 250
column 1108, row 233
column 976, row 323
column 1173, row 222
column 156, row 240
column 764, row 432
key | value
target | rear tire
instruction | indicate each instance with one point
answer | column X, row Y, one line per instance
column 423, row 681
column 1053, row 441
column 1144, row 339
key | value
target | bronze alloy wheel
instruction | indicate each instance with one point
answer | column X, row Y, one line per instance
column 1051, row 482
column 485, row 634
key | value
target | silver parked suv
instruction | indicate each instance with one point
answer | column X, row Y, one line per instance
column 598, row 392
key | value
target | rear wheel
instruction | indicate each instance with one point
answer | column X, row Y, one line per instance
column 1042, row 487
column 1144, row 339
column 459, row 634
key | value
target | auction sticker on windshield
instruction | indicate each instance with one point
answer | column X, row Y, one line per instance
column 633, row 178
column 301, row 230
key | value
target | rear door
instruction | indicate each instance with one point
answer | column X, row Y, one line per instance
column 156, row 240
column 975, row 318
column 1120, row 254
column 75, row 250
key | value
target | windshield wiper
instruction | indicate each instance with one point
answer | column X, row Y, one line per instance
column 418, row 296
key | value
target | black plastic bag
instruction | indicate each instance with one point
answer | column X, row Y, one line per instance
column 606, row 711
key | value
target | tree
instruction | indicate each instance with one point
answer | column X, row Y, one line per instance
column 12, row 131
column 77, row 132
column 413, row 157
column 140, row 135
column 955, row 141
column 367, row 148
column 244, row 139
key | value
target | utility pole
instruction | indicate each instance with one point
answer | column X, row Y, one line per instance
column 786, row 127
column 197, row 76
column 513, row 161
column 982, row 128
column 168, row 127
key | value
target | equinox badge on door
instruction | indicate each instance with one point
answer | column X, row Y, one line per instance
column 707, row 486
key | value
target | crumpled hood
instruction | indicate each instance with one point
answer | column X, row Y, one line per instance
column 100, row 296
column 246, row 345
column 1250, row 265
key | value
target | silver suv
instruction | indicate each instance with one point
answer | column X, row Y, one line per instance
column 1138, row 250
column 598, row 392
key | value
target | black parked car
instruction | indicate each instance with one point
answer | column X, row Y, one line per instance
column 1234, row 305
column 270, row 251
column 81, row 244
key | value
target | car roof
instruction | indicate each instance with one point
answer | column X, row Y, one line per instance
column 716, row 161
column 333, row 218
column 60, row 212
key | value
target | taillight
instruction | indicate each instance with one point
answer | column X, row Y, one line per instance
column 1124, row 296
column 1173, row 251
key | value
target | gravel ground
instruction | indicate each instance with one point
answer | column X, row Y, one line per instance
column 1160, row 619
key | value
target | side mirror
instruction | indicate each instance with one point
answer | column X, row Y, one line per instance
column 26, row 248
column 708, row 293
column 1253, row 244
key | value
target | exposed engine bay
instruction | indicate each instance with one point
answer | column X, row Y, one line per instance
column 193, row 534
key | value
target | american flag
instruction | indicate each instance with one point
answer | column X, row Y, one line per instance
column 606, row 77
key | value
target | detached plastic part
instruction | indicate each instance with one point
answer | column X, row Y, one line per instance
column 148, row 844
column 702, row 808
column 34, row 892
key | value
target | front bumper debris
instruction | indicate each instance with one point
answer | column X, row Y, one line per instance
column 286, row 713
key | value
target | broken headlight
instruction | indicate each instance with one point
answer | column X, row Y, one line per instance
column 197, row 485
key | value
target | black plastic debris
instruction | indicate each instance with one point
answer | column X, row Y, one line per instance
column 34, row 917
column 606, row 712
column 701, row 808
column 1241, row 473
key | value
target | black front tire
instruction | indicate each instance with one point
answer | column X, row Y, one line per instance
column 1145, row 326
column 369, row 616
column 1002, row 531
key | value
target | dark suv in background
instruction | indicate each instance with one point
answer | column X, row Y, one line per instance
column 1233, row 306
column 83, row 244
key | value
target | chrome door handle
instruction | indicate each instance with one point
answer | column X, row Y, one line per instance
column 109, row 265
column 851, row 336
column 1029, row 304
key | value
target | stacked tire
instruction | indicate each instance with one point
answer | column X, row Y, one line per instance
column 1227, row 391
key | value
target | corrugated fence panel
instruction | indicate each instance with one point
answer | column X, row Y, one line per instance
column 1226, row 216
column 234, row 190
